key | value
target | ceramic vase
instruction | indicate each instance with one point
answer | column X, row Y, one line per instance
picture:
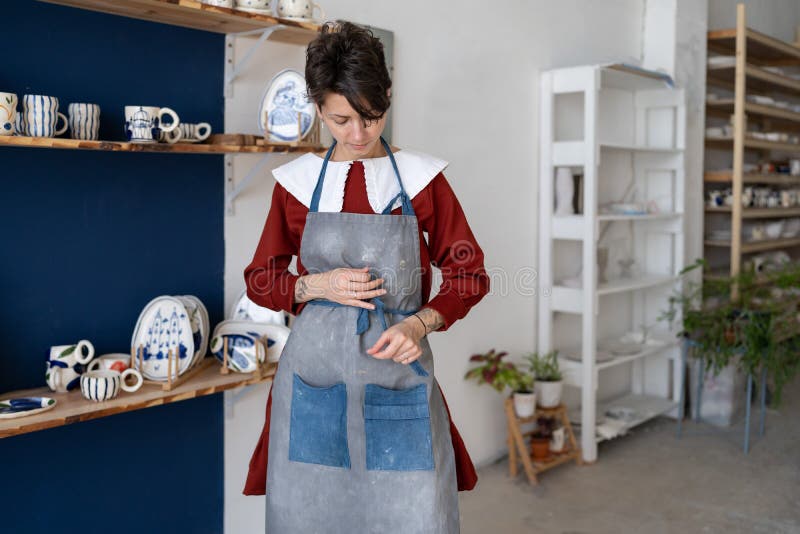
column 565, row 190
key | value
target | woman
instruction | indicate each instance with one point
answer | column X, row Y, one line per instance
column 358, row 433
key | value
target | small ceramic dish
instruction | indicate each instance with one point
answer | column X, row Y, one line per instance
column 23, row 406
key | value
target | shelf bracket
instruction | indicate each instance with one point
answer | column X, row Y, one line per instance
column 232, row 68
column 232, row 397
column 234, row 190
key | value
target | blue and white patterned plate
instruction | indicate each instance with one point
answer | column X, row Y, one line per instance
column 284, row 98
column 163, row 325
column 198, row 316
column 243, row 335
column 23, row 406
column 245, row 309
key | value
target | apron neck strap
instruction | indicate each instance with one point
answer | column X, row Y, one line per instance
column 408, row 209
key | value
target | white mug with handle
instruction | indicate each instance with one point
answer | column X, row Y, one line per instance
column 144, row 124
column 66, row 363
column 303, row 10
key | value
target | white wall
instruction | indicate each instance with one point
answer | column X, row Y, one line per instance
column 777, row 18
column 465, row 89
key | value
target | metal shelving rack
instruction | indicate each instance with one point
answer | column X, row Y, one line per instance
column 617, row 126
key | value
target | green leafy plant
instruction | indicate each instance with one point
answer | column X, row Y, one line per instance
column 750, row 319
column 544, row 367
column 492, row 370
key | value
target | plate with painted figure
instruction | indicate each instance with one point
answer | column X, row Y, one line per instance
column 163, row 325
column 285, row 100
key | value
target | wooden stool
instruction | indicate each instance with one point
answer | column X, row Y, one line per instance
column 519, row 450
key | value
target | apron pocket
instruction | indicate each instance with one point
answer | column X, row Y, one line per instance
column 397, row 425
column 318, row 424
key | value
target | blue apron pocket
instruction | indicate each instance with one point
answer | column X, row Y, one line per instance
column 397, row 425
column 318, row 424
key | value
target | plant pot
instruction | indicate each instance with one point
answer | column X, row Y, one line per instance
column 524, row 403
column 548, row 393
column 540, row 448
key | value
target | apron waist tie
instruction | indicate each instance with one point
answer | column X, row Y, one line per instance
column 362, row 322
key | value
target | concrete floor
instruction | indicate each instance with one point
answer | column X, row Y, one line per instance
column 650, row 482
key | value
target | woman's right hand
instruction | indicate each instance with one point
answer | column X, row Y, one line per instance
column 342, row 285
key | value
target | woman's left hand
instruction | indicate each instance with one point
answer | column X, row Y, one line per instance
column 403, row 342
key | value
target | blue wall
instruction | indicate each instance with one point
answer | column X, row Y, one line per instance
column 88, row 238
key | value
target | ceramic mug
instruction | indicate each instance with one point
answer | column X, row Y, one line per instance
column 219, row 3
column 8, row 113
column 194, row 133
column 299, row 9
column 84, row 121
column 170, row 137
column 110, row 362
column 39, row 117
column 254, row 5
column 104, row 385
column 66, row 364
column 144, row 124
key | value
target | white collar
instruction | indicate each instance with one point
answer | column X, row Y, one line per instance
column 299, row 178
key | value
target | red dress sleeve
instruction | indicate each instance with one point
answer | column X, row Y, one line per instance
column 268, row 279
column 455, row 251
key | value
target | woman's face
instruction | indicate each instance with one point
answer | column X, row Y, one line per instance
column 355, row 137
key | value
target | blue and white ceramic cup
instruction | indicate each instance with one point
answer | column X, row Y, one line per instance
column 8, row 113
column 66, row 363
column 84, row 121
column 39, row 116
column 105, row 385
column 144, row 124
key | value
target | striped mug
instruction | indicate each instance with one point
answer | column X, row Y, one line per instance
column 84, row 121
column 39, row 117
column 105, row 385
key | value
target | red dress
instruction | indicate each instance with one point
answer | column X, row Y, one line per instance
column 450, row 246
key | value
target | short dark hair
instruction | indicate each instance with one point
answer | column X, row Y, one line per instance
column 348, row 59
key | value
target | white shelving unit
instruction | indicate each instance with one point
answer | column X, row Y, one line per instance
column 624, row 132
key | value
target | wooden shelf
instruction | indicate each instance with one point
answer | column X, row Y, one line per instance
column 756, row 144
column 752, row 178
column 757, row 79
column 518, row 449
column 761, row 49
column 780, row 118
column 758, row 213
column 177, row 148
column 758, row 246
column 193, row 14
column 72, row 407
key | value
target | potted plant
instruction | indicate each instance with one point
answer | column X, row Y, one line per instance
column 492, row 370
column 744, row 323
column 541, row 437
column 549, row 384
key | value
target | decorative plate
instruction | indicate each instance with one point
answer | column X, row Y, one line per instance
column 205, row 329
column 164, row 324
column 620, row 348
column 273, row 336
column 22, row 406
column 245, row 309
column 283, row 99
column 600, row 356
column 243, row 351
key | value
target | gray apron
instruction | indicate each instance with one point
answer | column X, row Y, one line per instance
column 357, row 444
